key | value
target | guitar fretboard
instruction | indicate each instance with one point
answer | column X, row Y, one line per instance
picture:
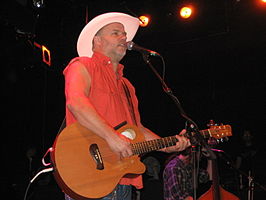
column 153, row 145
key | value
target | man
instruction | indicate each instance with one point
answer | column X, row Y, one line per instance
column 97, row 94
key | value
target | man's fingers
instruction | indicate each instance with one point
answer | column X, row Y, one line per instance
column 182, row 143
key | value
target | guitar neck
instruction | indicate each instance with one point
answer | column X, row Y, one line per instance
column 153, row 145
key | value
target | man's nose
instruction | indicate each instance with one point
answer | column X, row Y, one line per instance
column 124, row 36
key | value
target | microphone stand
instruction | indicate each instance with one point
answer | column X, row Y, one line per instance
column 251, row 180
column 197, row 138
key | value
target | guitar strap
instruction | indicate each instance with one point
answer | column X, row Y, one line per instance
column 63, row 125
column 130, row 103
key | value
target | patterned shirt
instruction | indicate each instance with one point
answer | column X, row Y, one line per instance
column 177, row 178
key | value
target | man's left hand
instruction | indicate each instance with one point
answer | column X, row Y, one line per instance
column 181, row 145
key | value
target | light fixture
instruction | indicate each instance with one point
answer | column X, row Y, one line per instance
column 186, row 12
column 38, row 3
column 144, row 21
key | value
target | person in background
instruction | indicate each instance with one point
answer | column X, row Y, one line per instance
column 177, row 176
column 245, row 160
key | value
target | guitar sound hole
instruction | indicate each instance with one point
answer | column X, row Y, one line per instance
column 96, row 155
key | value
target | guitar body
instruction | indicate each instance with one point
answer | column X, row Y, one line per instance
column 85, row 167
column 223, row 195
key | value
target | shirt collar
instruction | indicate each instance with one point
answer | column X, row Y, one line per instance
column 106, row 61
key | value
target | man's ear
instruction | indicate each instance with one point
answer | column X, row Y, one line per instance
column 97, row 40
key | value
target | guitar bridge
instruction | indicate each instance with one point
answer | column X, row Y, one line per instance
column 96, row 155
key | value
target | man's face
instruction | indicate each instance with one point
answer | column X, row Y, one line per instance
column 111, row 40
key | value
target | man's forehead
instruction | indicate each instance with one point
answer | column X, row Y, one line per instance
column 113, row 25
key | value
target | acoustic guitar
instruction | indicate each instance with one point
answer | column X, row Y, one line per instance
column 86, row 168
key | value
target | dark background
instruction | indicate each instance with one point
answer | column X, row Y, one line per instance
column 215, row 65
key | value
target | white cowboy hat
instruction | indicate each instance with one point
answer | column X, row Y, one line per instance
column 84, row 44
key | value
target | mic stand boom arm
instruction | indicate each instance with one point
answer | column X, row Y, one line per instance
column 192, row 126
column 168, row 91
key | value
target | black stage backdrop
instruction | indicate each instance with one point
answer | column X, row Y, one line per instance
column 215, row 65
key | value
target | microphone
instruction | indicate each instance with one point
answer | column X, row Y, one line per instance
column 132, row 46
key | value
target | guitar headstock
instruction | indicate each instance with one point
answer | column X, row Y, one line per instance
column 218, row 132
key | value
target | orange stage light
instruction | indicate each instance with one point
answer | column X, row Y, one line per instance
column 144, row 21
column 261, row 5
column 186, row 12
column 46, row 58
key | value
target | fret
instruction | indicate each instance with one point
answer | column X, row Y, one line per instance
column 170, row 141
column 146, row 144
column 154, row 142
column 173, row 140
column 158, row 144
column 167, row 142
column 161, row 144
column 134, row 149
column 150, row 145
column 139, row 148
column 143, row 147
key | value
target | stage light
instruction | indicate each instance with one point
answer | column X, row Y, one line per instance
column 38, row 3
column 261, row 5
column 186, row 12
column 46, row 58
column 144, row 21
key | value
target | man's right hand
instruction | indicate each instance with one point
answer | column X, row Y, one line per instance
column 120, row 145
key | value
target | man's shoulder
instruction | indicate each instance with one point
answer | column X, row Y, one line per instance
column 78, row 61
column 83, row 60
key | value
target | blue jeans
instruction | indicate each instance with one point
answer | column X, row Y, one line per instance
column 121, row 192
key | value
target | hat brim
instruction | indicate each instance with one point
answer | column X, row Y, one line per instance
column 84, row 43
